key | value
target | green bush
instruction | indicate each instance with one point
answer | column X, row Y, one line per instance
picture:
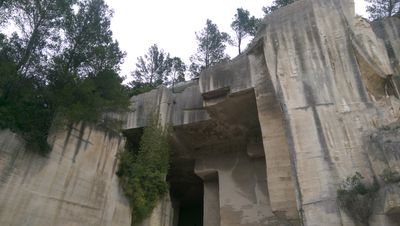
column 142, row 170
column 357, row 198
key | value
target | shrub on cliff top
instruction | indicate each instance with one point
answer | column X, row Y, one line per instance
column 142, row 170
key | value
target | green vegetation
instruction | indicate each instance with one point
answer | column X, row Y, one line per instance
column 60, row 63
column 357, row 197
column 276, row 4
column 156, row 68
column 143, row 169
column 244, row 25
column 210, row 50
column 378, row 9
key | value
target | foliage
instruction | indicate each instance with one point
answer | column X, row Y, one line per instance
column 88, row 98
column 177, row 71
column 210, row 50
column 244, row 26
column 390, row 176
column 23, row 103
column 357, row 198
column 276, row 5
column 153, row 67
column 142, row 170
column 378, row 9
column 135, row 88
column 60, row 61
column 156, row 68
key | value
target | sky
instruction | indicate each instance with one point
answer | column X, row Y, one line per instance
column 172, row 24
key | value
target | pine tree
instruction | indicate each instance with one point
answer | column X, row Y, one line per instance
column 244, row 26
column 383, row 8
column 211, row 48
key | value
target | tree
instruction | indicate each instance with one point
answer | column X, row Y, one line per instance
column 90, row 47
column 153, row 67
column 276, row 5
column 244, row 26
column 38, row 24
column 80, row 75
column 177, row 71
column 24, row 104
column 383, row 8
column 156, row 68
column 61, row 61
column 4, row 10
column 210, row 50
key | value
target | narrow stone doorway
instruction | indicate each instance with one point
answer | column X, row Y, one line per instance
column 186, row 190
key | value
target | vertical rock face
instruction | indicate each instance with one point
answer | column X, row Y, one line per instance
column 75, row 185
column 298, row 109
column 388, row 30
column 265, row 139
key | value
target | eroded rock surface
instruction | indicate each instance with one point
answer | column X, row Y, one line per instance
column 265, row 139
column 294, row 109
column 75, row 185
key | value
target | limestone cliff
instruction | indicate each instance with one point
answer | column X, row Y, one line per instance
column 75, row 185
column 265, row 139
column 273, row 133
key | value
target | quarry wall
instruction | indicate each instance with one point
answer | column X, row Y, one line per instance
column 74, row 185
column 315, row 88
column 270, row 135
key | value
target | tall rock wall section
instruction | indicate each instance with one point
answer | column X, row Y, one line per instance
column 316, row 89
column 74, row 185
column 271, row 135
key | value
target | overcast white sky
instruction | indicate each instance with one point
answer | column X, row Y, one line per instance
column 172, row 24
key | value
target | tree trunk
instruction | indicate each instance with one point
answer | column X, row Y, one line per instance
column 239, row 44
column 30, row 47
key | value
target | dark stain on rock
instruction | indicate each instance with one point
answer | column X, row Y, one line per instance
column 106, row 154
column 298, row 46
column 392, row 56
column 357, row 74
column 314, row 37
column 70, row 128
column 7, row 171
column 275, row 43
column 104, row 148
column 88, row 138
column 80, row 140
column 379, row 28
column 320, row 132
column 30, row 156
column 114, row 165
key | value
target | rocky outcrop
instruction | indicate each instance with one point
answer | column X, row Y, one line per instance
column 74, row 185
column 388, row 30
column 274, row 132
column 265, row 139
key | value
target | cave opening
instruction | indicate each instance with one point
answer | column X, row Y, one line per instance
column 186, row 190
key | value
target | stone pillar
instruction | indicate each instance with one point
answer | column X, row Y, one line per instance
column 278, row 165
column 211, row 213
column 235, row 191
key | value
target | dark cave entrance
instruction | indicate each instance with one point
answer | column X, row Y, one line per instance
column 187, row 193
